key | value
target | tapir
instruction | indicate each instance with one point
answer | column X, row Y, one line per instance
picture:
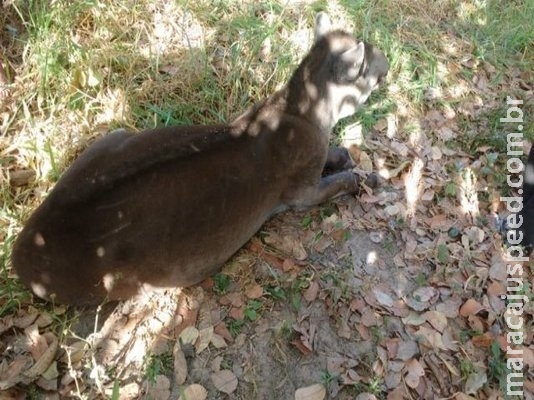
column 167, row 207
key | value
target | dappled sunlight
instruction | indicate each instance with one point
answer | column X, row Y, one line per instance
column 371, row 257
column 412, row 182
column 468, row 193
column 111, row 106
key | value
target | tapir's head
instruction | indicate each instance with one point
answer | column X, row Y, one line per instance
column 337, row 76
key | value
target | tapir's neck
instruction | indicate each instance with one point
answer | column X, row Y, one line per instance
column 301, row 100
column 309, row 97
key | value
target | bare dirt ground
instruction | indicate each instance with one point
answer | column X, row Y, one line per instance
column 394, row 294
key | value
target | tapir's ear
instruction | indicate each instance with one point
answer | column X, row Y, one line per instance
column 322, row 25
column 352, row 60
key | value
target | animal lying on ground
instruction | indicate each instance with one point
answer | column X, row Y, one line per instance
column 168, row 206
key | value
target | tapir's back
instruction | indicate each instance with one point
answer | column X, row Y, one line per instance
column 166, row 223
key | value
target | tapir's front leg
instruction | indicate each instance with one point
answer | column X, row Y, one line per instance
column 338, row 159
column 329, row 187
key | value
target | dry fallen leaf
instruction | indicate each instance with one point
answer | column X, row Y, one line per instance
column 225, row 381
column 311, row 292
column 484, row 340
column 470, row 307
column 160, row 389
column 218, row 341
column 437, row 319
column 303, row 347
column 180, row 364
column 189, row 335
column 313, row 392
column 46, row 358
column 254, row 292
column 221, row 330
column 36, row 343
column 11, row 374
column 430, row 337
column 383, row 299
column 415, row 372
column 365, row 163
column 204, row 339
column 407, row 349
column 194, row 392
column 475, row 382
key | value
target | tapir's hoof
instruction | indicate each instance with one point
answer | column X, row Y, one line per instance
column 372, row 180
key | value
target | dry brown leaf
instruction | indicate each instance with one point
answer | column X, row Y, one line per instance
column 407, row 349
column 310, row 294
column 484, row 340
column 435, row 153
column 497, row 271
column 450, row 307
column 235, row 299
column 74, row 352
column 369, row 317
column 430, row 337
column 351, row 377
column 189, row 335
column 463, row 396
column 254, row 292
column 312, row 392
column 36, row 343
column 194, row 392
column 383, row 299
column 160, row 389
column 221, row 330
column 289, row 265
column 218, row 341
column 180, row 364
column 428, row 195
column 25, row 318
column 414, row 319
column 452, row 369
column 225, row 381
column 528, row 357
column 475, row 382
column 204, row 339
column 303, row 347
column 476, row 323
column 365, row 163
column 415, row 372
column 425, row 294
column 392, row 173
column 397, row 394
column 46, row 358
column 11, row 374
column 392, row 344
column 237, row 313
column 437, row 319
column 44, row 320
column 470, row 307
column 51, row 373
